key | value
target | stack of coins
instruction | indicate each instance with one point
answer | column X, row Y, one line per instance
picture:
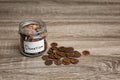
column 62, row 55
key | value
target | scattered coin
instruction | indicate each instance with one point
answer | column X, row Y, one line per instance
column 70, row 54
column 62, row 54
column 74, row 61
column 50, row 51
column 62, row 48
column 54, row 44
column 66, row 61
column 45, row 57
column 77, row 54
column 51, row 56
column 57, row 56
column 85, row 52
column 69, row 49
column 48, row 62
column 58, row 62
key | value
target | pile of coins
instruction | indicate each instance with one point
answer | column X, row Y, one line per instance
column 62, row 55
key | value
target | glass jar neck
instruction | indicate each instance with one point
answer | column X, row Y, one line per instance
column 29, row 22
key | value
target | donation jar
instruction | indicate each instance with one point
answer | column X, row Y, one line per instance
column 32, row 38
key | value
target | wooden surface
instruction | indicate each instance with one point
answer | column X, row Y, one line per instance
column 83, row 24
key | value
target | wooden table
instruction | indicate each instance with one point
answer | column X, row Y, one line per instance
column 92, row 25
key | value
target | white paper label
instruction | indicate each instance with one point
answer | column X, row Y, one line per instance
column 34, row 47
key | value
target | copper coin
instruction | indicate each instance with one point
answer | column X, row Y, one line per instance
column 65, row 63
column 70, row 54
column 51, row 56
column 61, row 49
column 62, row 54
column 58, row 62
column 34, row 40
column 69, row 49
column 85, row 52
column 57, row 56
column 54, row 44
column 50, row 51
column 45, row 57
column 48, row 62
column 66, row 60
column 35, row 27
column 54, row 48
column 74, row 61
column 77, row 54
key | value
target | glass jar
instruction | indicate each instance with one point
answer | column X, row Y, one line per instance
column 32, row 38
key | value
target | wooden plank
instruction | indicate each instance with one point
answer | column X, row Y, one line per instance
column 83, row 24
column 69, row 31
column 10, row 48
column 62, row 10
column 91, row 66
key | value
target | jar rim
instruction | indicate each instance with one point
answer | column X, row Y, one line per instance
column 31, row 21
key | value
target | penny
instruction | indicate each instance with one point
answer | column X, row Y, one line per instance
column 70, row 54
column 85, row 52
column 30, row 26
column 76, row 54
column 35, row 27
column 50, row 51
column 48, row 62
column 62, row 48
column 45, row 57
column 65, row 63
column 54, row 44
column 58, row 62
column 57, row 56
column 51, row 56
column 74, row 61
column 69, row 49
column 62, row 54
column 54, row 48
column 66, row 60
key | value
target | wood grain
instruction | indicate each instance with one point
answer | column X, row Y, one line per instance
column 83, row 24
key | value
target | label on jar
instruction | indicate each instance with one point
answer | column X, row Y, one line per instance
column 34, row 47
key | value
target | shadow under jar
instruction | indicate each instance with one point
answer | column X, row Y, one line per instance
column 32, row 38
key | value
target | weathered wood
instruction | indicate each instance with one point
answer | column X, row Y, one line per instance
column 83, row 24
column 94, row 67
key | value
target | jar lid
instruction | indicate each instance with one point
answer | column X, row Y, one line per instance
column 29, row 22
